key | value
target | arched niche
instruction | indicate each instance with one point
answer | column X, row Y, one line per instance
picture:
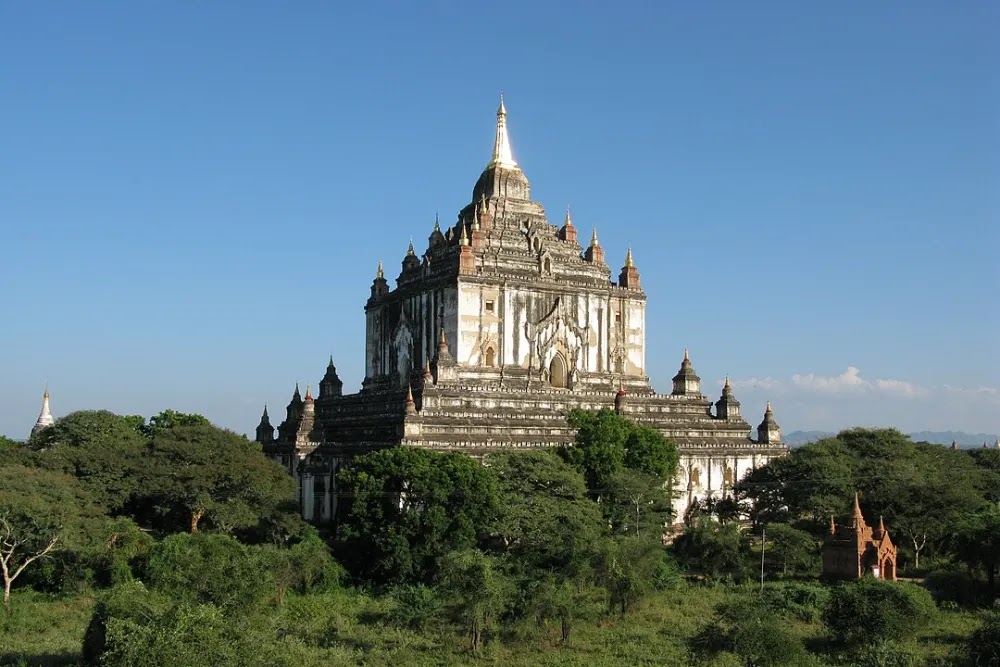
column 558, row 372
column 490, row 357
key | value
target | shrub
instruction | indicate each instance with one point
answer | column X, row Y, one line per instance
column 866, row 611
column 798, row 600
column 953, row 586
column 209, row 569
column 415, row 606
column 984, row 645
column 712, row 548
column 886, row 653
column 749, row 629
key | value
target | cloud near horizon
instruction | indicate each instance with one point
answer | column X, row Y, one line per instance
column 852, row 398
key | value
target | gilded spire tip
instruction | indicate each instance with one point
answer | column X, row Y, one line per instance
column 378, row 272
column 629, row 263
column 593, row 237
column 409, row 250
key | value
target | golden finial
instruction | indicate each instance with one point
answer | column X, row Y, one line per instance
column 686, row 356
column 463, row 239
column 727, row 386
column 502, row 156
column 409, row 250
column 409, row 392
column 475, row 218
column 568, row 221
column 437, row 222
column 593, row 238
column 379, row 273
column 629, row 264
column 46, row 394
column 767, row 408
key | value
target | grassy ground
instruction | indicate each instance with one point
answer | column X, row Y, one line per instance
column 353, row 629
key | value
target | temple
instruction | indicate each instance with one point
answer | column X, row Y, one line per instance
column 490, row 336
column 856, row 549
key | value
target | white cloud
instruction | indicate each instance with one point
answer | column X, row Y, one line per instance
column 851, row 382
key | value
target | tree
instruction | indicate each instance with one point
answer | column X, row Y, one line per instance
column 794, row 551
column 544, row 518
column 301, row 567
column 99, row 448
column 169, row 419
column 983, row 647
column 627, row 568
column 977, row 542
column 41, row 511
column 712, row 548
column 477, row 592
column 868, row 610
column 637, row 503
column 407, row 507
column 606, row 443
column 749, row 629
column 8, row 443
column 201, row 472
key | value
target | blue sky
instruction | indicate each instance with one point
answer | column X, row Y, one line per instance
column 194, row 196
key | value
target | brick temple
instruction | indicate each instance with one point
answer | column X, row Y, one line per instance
column 490, row 336
column 855, row 549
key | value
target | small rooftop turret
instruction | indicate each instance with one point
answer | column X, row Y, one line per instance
column 331, row 385
column 265, row 432
column 380, row 286
column 768, row 432
column 727, row 407
column 567, row 232
column 629, row 277
column 687, row 382
column 410, row 261
column 594, row 253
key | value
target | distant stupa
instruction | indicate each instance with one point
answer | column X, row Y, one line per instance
column 45, row 416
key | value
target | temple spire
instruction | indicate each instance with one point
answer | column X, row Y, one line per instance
column 379, row 273
column 629, row 263
column 502, row 156
column 45, row 416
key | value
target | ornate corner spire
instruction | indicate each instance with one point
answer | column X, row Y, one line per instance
column 378, row 272
column 475, row 218
column 568, row 221
column 427, row 370
column 593, row 238
column 502, row 156
column 409, row 250
column 437, row 222
column 629, row 263
column 411, row 406
column 727, row 385
column 463, row 239
column 857, row 508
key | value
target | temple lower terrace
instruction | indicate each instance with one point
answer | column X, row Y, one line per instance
column 490, row 337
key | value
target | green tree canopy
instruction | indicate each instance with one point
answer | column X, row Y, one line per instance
column 750, row 630
column 201, row 472
column 712, row 548
column 99, row 448
column 41, row 511
column 977, row 542
column 606, row 443
column 407, row 507
column 920, row 490
column 545, row 520
column 169, row 419
column 476, row 590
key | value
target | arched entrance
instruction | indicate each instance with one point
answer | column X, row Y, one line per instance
column 557, row 371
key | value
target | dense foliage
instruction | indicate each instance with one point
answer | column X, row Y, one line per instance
column 178, row 543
